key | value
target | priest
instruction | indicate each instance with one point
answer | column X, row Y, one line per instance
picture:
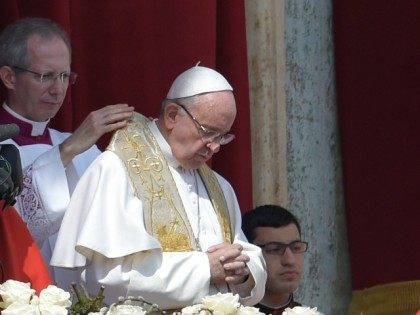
column 149, row 218
column 35, row 59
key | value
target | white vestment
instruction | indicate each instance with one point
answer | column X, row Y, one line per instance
column 47, row 186
column 103, row 232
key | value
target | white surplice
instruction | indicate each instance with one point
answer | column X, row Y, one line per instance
column 103, row 232
column 47, row 186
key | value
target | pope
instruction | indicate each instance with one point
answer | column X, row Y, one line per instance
column 150, row 218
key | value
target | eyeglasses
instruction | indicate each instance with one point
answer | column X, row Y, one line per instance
column 208, row 134
column 50, row 77
column 277, row 248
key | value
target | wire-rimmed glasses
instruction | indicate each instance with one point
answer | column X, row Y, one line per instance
column 207, row 134
column 50, row 77
column 277, row 248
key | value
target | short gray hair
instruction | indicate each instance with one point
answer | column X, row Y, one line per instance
column 14, row 39
column 188, row 102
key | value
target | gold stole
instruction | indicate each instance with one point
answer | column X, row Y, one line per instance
column 164, row 214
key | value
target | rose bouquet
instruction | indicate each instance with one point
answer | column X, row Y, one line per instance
column 220, row 304
column 228, row 304
column 18, row 298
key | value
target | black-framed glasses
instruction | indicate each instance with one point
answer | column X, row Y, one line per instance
column 277, row 248
column 208, row 134
column 50, row 77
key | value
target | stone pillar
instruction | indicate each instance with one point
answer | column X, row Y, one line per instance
column 266, row 62
column 313, row 153
column 291, row 69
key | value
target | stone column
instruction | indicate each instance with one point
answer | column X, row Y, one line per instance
column 292, row 90
column 266, row 62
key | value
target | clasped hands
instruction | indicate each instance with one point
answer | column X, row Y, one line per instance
column 227, row 264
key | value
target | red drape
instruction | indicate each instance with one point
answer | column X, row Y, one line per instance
column 378, row 78
column 130, row 51
column 20, row 257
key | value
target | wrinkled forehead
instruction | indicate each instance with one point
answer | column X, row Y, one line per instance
column 217, row 108
column 222, row 101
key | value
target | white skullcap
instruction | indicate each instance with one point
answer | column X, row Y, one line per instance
column 198, row 80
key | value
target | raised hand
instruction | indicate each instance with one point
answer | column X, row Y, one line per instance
column 95, row 125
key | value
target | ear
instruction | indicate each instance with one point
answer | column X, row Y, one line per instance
column 170, row 115
column 8, row 77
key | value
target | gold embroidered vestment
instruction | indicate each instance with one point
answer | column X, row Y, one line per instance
column 164, row 213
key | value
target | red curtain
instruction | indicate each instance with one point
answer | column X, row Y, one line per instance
column 130, row 51
column 378, row 78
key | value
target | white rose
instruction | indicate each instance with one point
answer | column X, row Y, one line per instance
column 56, row 296
column 125, row 309
column 13, row 291
column 221, row 303
column 301, row 310
column 52, row 309
column 248, row 310
column 102, row 311
column 19, row 309
column 192, row 310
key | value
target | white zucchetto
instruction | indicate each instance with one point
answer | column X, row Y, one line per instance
column 198, row 80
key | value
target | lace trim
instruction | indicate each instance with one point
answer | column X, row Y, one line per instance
column 32, row 211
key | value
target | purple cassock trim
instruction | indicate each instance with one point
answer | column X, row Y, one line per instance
column 24, row 137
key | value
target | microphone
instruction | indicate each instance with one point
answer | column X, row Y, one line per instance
column 8, row 131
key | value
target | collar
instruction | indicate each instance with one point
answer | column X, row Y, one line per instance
column 163, row 144
column 31, row 132
column 37, row 128
column 282, row 306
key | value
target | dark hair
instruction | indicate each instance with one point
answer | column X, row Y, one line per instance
column 14, row 39
column 266, row 216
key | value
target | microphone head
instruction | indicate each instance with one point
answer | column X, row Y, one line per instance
column 8, row 131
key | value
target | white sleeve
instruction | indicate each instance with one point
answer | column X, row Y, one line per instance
column 171, row 280
column 252, row 291
column 103, row 216
column 46, row 191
